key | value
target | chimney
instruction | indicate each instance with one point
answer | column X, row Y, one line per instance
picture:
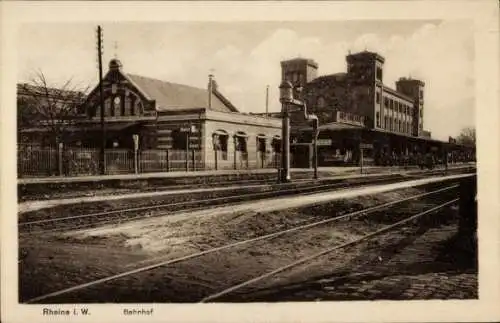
column 210, row 90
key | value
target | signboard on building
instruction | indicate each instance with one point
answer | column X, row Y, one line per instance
column 350, row 118
column 324, row 142
column 136, row 141
column 365, row 146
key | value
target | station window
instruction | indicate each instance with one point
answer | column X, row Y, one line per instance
column 379, row 73
column 132, row 108
column 241, row 144
column 386, row 102
column 179, row 140
column 261, row 144
column 220, row 144
column 378, row 119
column 386, row 122
column 276, row 145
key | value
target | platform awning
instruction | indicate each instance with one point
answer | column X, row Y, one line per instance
column 334, row 126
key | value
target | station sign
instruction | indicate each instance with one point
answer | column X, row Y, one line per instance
column 324, row 142
column 366, row 146
column 190, row 129
column 136, row 141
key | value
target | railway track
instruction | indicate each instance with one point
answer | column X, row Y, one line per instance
column 223, row 295
column 91, row 291
column 82, row 221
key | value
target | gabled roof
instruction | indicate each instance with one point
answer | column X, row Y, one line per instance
column 173, row 96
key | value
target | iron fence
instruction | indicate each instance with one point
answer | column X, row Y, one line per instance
column 35, row 161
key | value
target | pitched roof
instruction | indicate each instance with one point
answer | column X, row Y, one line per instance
column 172, row 96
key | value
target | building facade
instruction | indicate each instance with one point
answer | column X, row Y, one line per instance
column 360, row 91
column 166, row 120
column 356, row 109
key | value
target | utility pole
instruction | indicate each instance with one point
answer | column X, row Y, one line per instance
column 101, row 97
column 267, row 101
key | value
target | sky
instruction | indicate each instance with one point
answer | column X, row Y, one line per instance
column 245, row 57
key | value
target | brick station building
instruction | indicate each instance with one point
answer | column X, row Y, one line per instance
column 169, row 118
column 356, row 107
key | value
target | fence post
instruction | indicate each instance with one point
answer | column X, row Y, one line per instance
column 136, row 161
column 360, row 159
column 168, row 162
column 60, row 158
column 235, row 154
column 216, row 157
column 135, row 137
column 193, row 159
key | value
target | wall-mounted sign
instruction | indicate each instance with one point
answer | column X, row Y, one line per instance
column 190, row 129
column 366, row 146
column 324, row 142
column 136, row 141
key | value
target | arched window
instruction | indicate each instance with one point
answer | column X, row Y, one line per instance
column 220, row 139
column 261, row 143
column 276, row 144
column 240, row 141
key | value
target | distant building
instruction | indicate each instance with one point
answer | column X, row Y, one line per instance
column 360, row 92
column 356, row 109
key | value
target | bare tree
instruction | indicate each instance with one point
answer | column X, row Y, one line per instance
column 467, row 136
column 50, row 110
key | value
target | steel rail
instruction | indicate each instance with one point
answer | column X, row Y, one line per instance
column 232, row 245
column 151, row 207
column 322, row 253
column 118, row 220
column 311, row 189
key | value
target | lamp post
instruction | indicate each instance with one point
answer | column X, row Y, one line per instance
column 286, row 97
column 287, row 100
column 315, row 144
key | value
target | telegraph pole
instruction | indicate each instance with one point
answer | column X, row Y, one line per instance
column 267, row 101
column 101, row 99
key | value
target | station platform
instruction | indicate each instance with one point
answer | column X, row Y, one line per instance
column 210, row 173
column 117, row 194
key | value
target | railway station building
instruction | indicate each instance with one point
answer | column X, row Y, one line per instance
column 356, row 107
column 173, row 121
